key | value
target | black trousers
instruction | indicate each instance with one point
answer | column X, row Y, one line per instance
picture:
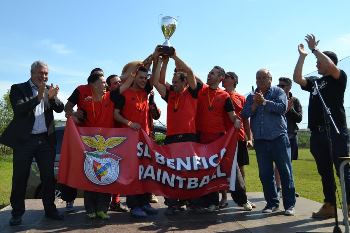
column 139, row 200
column 320, row 150
column 95, row 202
column 37, row 147
column 68, row 193
column 239, row 195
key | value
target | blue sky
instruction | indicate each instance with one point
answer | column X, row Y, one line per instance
column 242, row 36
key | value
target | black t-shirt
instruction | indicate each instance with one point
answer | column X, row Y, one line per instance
column 332, row 91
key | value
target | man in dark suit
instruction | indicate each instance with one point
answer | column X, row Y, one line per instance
column 31, row 134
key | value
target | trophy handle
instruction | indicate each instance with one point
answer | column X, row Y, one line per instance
column 159, row 17
column 178, row 20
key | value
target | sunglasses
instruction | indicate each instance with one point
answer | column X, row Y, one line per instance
column 282, row 85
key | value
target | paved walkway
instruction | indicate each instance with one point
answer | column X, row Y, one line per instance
column 231, row 219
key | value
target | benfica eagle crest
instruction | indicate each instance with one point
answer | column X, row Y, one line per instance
column 100, row 166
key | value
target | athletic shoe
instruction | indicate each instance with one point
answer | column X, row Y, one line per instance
column 270, row 209
column 102, row 215
column 290, row 211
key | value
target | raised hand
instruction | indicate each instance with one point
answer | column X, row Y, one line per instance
column 258, row 98
column 41, row 90
column 53, row 91
column 311, row 41
column 301, row 50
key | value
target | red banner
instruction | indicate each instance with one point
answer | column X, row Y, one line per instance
column 121, row 160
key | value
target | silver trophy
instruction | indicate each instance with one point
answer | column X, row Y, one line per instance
column 168, row 25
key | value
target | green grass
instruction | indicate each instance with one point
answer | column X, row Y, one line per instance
column 306, row 178
column 5, row 180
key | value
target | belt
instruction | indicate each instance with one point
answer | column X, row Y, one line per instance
column 39, row 135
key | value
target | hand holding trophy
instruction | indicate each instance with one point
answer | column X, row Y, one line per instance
column 168, row 26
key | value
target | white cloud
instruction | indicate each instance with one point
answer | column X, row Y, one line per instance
column 56, row 47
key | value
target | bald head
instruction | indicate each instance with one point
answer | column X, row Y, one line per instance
column 263, row 79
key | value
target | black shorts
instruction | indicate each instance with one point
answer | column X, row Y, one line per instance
column 242, row 153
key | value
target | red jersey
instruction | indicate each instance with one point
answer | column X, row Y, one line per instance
column 238, row 101
column 213, row 106
column 181, row 111
column 98, row 113
column 133, row 105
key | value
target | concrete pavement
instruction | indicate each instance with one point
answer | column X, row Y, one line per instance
column 230, row 219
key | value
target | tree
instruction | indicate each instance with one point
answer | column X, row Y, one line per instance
column 6, row 115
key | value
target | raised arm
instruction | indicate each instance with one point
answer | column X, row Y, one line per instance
column 161, row 88
column 298, row 70
column 324, row 60
column 129, row 79
column 192, row 82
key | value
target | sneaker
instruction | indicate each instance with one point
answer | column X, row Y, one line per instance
column 153, row 198
column 326, row 211
column 247, row 206
column 91, row 215
column 269, row 209
column 137, row 212
column 182, row 207
column 223, row 205
column 290, row 211
column 211, row 208
column 297, row 194
column 149, row 209
column 102, row 215
column 69, row 206
column 252, row 204
column 118, row 207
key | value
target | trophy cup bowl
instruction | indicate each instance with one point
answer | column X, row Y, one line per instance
column 168, row 26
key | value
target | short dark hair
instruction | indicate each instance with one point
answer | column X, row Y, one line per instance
column 94, row 77
column 108, row 80
column 232, row 75
column 332, row 56
column 96, row 70
column 142, row 69
column 221, row 70
column 182, row 76
column 286, row 80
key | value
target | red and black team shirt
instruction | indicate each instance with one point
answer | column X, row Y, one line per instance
column 213, row 106
column 133, row 106
column 97, row 113
column 238, row 101
column 181, row 111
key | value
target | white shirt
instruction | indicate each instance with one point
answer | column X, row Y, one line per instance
column 39, row 123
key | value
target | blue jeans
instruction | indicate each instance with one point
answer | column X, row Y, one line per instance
column 275, row 151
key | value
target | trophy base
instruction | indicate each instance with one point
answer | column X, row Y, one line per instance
column 166, row 50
